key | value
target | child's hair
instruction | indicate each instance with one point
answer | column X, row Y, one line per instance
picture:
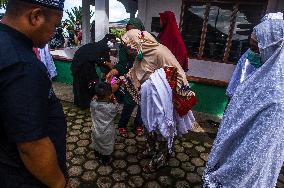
column 100, row 89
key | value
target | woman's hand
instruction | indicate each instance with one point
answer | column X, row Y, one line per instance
column 113, row 99
column 111, row 74
column 115, row 87
column 109, row 64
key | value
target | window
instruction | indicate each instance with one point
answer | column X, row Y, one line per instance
column 155, row 25
column 219, row 30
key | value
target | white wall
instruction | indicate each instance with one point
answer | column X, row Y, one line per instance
column 211, row 70
column 151, row 8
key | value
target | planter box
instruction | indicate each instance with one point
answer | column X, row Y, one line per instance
column 210, row 99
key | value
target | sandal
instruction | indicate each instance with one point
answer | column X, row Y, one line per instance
column 145, row 154
column 139, row 131
column 149, row 169
column 123, row 132
column 105, row 160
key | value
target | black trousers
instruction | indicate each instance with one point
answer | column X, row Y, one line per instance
column 126, row 115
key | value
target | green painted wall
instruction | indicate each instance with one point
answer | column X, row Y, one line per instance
column 211, row 99
column 63, row 72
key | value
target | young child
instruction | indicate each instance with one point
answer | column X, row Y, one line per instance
column 103, row 111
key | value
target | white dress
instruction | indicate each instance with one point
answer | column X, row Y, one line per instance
column 157, row 111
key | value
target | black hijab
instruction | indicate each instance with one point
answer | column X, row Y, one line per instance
column 104, row 41
column 93, row 53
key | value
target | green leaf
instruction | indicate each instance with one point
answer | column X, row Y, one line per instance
column 3, row 3
column 75, row 14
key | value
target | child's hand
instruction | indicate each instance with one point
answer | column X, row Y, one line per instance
column 115, row 87
column 112, row 99
column 111, row 74
column 109, row 64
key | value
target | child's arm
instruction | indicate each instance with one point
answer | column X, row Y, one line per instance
column 109, row 64
column 115, row 84
column 115, row 87
column 113, row 99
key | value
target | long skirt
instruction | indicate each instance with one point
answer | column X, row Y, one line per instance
column 161, row 121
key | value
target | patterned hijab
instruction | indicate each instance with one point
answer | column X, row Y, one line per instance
column 154, row 57
column 273, row 16
column 248, row 149
column 139, row 41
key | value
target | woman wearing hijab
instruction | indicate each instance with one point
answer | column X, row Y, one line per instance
column 248, row 150
column 170, row 37
column 86, row 67
column 245, row 67
column 122, row 67
column 158, row 83
column 249, row 61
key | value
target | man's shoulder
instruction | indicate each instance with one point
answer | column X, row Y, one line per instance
column 8, row 51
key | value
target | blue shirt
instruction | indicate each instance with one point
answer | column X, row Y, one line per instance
column 29, row 109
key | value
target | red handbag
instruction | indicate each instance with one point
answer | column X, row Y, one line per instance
column 182, row 104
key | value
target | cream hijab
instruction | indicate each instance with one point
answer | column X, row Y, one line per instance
column 155, row 56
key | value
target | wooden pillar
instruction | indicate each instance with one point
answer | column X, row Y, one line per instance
column 86, row 21
column 181, row 15
column 204, row 31
column 101, row 18
column 231, row 32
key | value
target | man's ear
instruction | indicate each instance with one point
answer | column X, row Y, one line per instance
column 36, row 16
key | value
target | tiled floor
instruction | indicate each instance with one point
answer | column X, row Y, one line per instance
column 184, row 170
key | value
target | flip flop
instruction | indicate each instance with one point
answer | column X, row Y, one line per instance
column 149, row 169
column 123, row 132
column 139, row 131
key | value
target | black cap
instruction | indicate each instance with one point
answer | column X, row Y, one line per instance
column 53, row 4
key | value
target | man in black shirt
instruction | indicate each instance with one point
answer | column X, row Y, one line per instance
column 32, row 122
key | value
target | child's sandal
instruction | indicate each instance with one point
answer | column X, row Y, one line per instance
column 123, row 132
column 149, row 169
column 139, row 131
